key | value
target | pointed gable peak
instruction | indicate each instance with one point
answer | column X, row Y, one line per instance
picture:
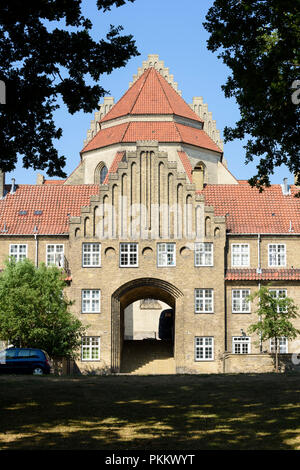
column 151, row 94
column 154, row 61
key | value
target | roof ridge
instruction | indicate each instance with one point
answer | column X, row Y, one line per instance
column 135, row 85
column 160, row 78
column 178, row 132
column 137, row 96
column 160, row 84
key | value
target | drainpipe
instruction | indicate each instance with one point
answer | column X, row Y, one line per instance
column 259, row 285
column 36, row 246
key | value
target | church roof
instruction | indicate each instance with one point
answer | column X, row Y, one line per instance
column 151, row 94
column 162, row 131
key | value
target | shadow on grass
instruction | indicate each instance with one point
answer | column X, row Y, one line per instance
column 152, row 413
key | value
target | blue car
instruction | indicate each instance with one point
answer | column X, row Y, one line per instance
column 24, row 361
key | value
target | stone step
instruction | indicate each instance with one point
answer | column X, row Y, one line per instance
column 144, row 357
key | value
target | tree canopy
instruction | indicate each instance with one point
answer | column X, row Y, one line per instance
column 275, row 313
column 259, row 40
column 46, row 54
column 34, row 311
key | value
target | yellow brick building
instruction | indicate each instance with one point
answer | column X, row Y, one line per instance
column 161, row 245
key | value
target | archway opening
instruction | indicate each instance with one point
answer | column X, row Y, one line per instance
column 144, row 327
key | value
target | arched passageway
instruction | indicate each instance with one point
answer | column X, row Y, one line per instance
column 130, row 292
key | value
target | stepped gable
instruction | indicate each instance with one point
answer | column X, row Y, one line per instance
column 46, row 207
column 151, row 94
column 249, row 211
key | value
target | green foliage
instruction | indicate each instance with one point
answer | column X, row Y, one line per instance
column 259, row 40
column 47, row 56
column 34, row 309
column 275, row 315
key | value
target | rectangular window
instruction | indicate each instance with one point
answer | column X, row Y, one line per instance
column 166, row 254
column 240, row 304
column 241, row 345
column 204, row 348
column 19, row 252
column 90, row 348
column 91, row 254
column 204, row 301
column 277, row 255
column 90, row 301
column 128, row 254
column 240, row 255
column 282, row 345
column 55, row 255
column 203, row 254
column 279, row 294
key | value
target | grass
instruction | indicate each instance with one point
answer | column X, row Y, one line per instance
column 151, row 412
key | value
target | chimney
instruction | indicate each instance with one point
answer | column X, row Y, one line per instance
column 40, row 179
column 13, row 186
column 297, row 179
column 285, row 187
column 2, row 184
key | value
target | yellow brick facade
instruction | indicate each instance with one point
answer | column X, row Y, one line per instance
column 150, row 199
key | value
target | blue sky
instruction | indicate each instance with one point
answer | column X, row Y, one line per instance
column 172, row 29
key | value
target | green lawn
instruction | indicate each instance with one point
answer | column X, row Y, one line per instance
column 159, row 412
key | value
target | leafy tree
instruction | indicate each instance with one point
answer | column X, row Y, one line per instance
column 46, row 55
column 275, row 315
column 259, row 40
column 34, row 309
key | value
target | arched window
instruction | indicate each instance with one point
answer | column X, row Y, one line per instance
column 100, row 173
column 103, row 173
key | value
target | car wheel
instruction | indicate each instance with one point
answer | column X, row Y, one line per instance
column 38, row 371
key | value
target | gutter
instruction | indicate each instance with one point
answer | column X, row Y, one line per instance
column 265, row 234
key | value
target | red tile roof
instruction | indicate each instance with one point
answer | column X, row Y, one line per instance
column 49, row 182
column 167, row 131
column 114, row 166
column 265, row 275
column 151, row 94
column 57, row 203
column 249, row 211
column 186, row 164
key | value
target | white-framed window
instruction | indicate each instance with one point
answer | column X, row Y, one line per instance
column 277, row 254
column 90, row 300
column 19, row 252
column 91, row 256
column 166, row 254
column 128, row 255
column 204, row 253
column 204, row 348
column 282, row 345
column 204, row 300
column 55, row 255
column 240, row 302
column 241, row 345
column 90, row 348
column 279, row 294
column 240, row 254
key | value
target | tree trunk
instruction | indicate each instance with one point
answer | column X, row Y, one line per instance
column 276, row 355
